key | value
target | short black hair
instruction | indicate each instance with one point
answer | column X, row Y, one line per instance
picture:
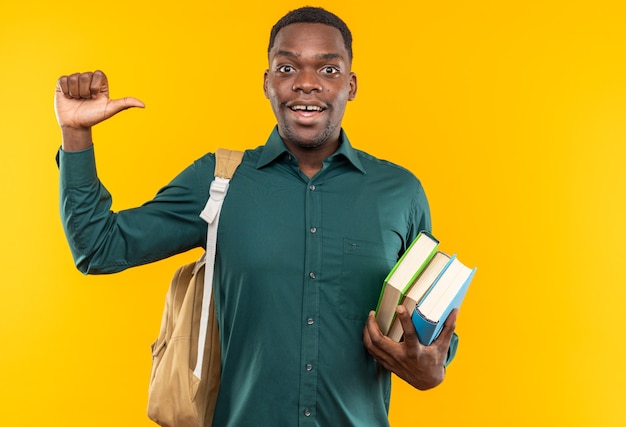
column 313, row 15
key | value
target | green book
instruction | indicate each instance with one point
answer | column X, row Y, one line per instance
column 401, row 277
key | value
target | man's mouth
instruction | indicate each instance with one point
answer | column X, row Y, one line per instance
column 307, row 108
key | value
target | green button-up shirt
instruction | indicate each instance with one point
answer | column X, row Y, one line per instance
column 300, row 263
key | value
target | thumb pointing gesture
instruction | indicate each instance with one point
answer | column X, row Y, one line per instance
column 82, row 101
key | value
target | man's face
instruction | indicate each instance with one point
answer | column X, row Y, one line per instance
column 309, row 83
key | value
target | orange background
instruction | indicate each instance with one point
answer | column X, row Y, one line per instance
column 513, row 115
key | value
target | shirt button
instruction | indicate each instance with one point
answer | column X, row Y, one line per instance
column 312, row 275
column 307, row 413
column 309, row 367
column 312, row 187
column 310, row 321
column 313, row 230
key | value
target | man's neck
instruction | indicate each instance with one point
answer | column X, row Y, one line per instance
column 311, row 160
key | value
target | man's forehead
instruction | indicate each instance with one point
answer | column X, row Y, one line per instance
column 305, row 34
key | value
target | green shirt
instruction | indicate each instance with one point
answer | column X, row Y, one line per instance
column 300, row 262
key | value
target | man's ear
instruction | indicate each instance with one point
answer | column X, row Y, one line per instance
column 353, row 87
column 265, row 76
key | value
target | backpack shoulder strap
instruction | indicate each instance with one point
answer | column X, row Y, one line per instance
column 226, row 162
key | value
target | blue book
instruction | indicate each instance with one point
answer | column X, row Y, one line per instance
column 446, row 294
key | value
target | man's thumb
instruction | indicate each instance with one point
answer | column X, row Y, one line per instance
column 117, row 105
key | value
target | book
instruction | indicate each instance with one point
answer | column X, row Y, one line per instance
column 402, row 276
column 446, row 293
column 419, row 288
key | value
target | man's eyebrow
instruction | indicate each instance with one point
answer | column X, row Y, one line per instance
column 288, row 54
column 321, row 56
column 328, row 56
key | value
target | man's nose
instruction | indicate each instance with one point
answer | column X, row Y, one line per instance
column 307, row 81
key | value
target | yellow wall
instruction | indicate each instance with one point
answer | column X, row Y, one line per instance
column 512, row 113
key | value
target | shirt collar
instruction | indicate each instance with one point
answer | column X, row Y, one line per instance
column 275, row 148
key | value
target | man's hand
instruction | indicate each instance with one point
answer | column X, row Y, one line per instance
column 419, row 365
column 82, row 101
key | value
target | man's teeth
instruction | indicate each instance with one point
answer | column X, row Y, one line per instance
column 306, row 108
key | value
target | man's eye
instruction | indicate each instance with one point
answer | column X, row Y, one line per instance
column 285, row 69
column 330, row 70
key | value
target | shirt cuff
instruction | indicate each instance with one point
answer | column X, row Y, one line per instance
column 77, row 167
column 454, row 343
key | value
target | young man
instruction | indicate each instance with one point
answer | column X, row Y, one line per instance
column 308, row 231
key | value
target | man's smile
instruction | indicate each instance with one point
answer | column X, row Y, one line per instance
column 306, row 108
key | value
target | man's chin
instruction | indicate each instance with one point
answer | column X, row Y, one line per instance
column 307, row 138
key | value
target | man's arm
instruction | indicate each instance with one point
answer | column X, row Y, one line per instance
column 103, row 241
column 82, row 101
column 421, row 366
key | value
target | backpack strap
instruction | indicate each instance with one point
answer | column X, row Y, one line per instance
column 226, row 163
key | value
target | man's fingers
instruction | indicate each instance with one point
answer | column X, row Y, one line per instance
column 62, row 85
column 371, row 328
column 82, row 100
column 372, row 336
column 448, row 327
column 76, row 85
column 89, row 85
column 98, row 83
column 73, row 90
column 410, row 335
column 376, row 343
column 84, row 85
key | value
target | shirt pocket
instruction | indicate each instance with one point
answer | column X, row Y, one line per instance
column 364, row 267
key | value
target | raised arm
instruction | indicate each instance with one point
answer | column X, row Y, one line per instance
column 82, row 101
column 107, row 241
